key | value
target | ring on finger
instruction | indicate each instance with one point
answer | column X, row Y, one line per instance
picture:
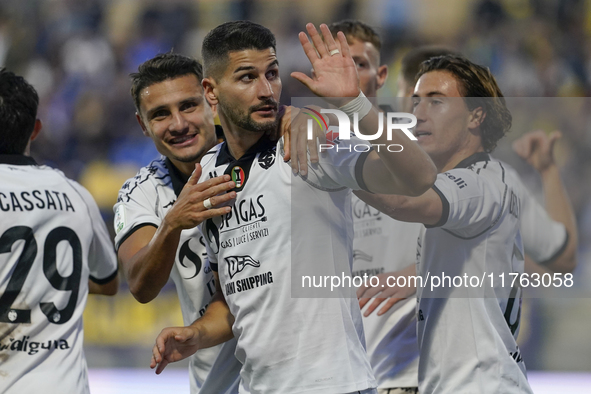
column 207, row 203
column 334, row 52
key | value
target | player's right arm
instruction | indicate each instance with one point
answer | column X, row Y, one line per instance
column 177, row 343
column 147, row 255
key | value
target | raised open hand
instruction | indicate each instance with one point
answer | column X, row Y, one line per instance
column 334, row 71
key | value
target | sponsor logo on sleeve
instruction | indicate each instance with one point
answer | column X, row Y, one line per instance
column 119, row 218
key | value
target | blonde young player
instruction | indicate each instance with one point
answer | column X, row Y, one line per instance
column 286, row 344
column 54, row 250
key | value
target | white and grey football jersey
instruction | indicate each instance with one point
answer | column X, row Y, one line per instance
column 52, row 241
column 280, row 228
column 543, row 238
column 382, row 244
column 144, row 201
column 467, row 333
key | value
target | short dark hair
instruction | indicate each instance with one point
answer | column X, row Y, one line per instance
column 161, row 68
column 229, row 37
column 361, row 31
column 411, row 62
column 18, row 112
column 479, row 85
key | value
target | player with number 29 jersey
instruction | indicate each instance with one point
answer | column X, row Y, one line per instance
column 52, row 241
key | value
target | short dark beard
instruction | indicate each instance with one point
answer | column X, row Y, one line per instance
column 245, row 121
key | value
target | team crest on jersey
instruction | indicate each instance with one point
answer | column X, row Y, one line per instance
column 119, row 218
column 238, row 177
column 266, row 159
column 237, row 264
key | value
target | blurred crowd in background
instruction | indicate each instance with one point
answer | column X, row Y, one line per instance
column 78, row 54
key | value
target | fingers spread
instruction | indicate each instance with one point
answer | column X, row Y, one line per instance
column 317, row 40
column 194, row 178
column 344, row 45
column 303, row 78
column 328, row 39
column 308, row 48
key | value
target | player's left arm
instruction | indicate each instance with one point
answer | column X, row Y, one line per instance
column 537, row 148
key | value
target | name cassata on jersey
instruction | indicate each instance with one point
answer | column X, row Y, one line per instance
column 30, row 200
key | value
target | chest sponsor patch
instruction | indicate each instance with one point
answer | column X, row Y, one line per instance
column 237, row 263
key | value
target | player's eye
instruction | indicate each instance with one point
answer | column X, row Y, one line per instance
column 272, row 74
column 361, row 65
column 247, row 77
column 188, row 106
column 159, row 115
column 415, row 102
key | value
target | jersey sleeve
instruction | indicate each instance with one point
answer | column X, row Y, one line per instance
column 135, row 208
column 341, row 165
column 471, row 203
column 102, row 261
column 543, row 238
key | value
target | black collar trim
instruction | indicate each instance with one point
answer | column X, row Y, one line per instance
column 225, row 157
column 19, row 160
column 471, row 160
column 239, row 169
column 178, row 178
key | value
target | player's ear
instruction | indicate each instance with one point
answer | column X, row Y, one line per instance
column 210, row 91
column 139, row 119
column 36, row 129
column 476, row 118
column 382, row 75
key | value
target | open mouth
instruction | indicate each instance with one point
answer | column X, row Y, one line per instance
column 421, row 134
column 182, row 139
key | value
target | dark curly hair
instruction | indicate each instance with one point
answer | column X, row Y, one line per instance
column 18, row 112
column 479, row 88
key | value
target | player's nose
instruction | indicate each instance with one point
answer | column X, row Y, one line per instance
column 264, row 88
column 179, row 123
column 419, row 110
